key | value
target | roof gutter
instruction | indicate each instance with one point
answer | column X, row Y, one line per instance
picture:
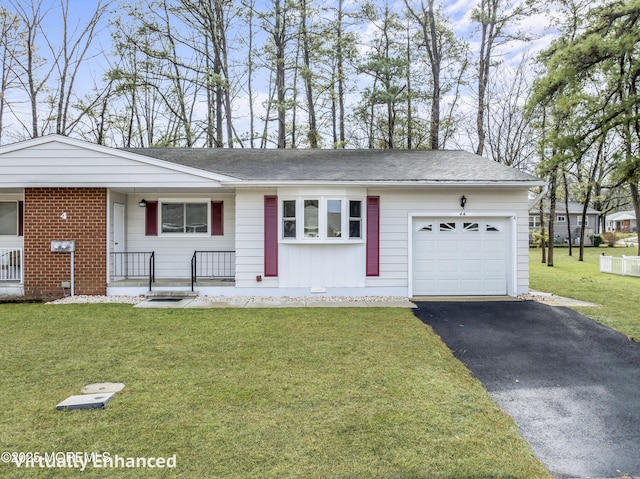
column 543, row 193
column 415, row 183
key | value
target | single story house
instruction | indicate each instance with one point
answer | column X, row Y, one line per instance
column 82, row 218
column 622, row 222
column 562, row 221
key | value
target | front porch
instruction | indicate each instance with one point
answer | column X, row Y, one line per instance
column 11, row 272
column 134, row 273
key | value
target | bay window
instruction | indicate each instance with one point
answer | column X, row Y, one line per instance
column 355, row 219
column 322, row 219
column 289, row 219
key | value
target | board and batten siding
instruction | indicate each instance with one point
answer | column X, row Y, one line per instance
column 173, row 252
column 321, row 266
column 57, row 164
column 396, row 205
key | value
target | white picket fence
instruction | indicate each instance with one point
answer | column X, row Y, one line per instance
column 625, row 265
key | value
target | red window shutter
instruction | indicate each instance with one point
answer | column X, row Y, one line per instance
column 20, row 218
column 217, row 218
column 151, row 219
column 271, row 236
column 373, row 236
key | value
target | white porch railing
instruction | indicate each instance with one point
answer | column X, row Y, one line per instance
column 625, row 265
column 11, row 260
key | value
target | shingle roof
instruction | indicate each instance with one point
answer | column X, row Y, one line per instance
column 342, row 165
column 574, row 208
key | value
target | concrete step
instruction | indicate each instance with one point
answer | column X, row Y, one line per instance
column 171, row 294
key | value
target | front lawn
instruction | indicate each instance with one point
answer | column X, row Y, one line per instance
column 569, row 277
column 237, row 393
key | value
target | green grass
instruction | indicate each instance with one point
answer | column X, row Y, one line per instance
column 569, row 277
column 267, row 393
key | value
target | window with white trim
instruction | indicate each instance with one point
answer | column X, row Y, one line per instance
column 321, row 219
column 561, row 219
column 534, row 222
column 355, row 219
column 289, row 219
column 8, row 218
column 184, row 218
column 586, row 220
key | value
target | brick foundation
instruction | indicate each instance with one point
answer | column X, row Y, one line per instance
column 86, row 223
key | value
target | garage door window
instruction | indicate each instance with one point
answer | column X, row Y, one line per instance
column 473, row 227
column 492, row 228
column 447, row 227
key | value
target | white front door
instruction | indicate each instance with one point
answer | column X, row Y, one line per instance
column 118, row 228
column 460, row 256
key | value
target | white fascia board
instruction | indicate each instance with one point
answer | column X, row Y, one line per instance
column 43, row 140
column 417, row 183
column 175, row 167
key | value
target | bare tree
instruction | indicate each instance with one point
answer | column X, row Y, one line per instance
column 277, row 21
column 31, row 69
column 210, row 20
column 308, row 44
column 69, row 57
column 510, row 135
column 445, row 55
column 10, row 48
column 494, row 17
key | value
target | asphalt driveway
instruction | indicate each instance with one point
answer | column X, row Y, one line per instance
column 571, row 384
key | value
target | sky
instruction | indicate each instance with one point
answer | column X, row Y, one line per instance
column 458, row 11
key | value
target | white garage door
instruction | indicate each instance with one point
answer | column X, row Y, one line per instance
column 460, row 256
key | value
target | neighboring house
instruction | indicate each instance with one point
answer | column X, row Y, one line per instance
column 622, row 222
column 260, row 222
column 562, row 222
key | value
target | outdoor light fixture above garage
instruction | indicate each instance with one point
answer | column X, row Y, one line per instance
column 463, row 201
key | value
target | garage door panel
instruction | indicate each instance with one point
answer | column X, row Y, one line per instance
column 425, row 265
column 447, row 248
column 471, row 266
column 472, row 285
column 454, row 256
column 447, row 266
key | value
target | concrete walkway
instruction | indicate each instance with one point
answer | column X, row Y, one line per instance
column 285, row 302
column 571, row 384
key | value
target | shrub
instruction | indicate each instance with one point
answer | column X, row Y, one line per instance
column 610, row 237
column 536, row 238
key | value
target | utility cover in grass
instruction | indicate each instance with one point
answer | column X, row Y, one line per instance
column 85, row 401
column 97, row 388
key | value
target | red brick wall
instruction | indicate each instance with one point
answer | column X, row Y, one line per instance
column 86, row 223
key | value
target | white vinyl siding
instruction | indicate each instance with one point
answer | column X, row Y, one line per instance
column 397, row 204
column 299, row 267
column 56, row 164
column 249, row 230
